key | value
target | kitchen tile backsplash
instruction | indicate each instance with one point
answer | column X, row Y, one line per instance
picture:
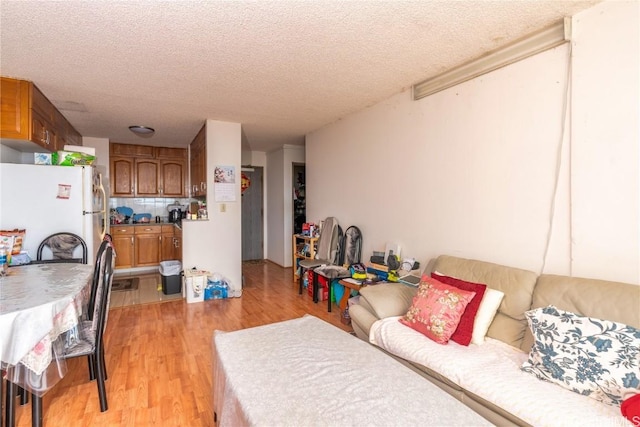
column 154, row 206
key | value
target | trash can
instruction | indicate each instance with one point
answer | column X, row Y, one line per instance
column 170, row 272
column 195, row 282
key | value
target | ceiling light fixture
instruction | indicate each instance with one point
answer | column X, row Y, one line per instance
column 525, row 47
column 143, row 131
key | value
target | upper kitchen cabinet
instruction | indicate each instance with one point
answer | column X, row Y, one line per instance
column 29, row 121
column 147, row 171
column 122, row 176
column 198, row 164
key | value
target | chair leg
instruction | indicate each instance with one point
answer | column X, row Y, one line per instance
column 10, row 405
column 24, row 396
column 104, row 364
column 92, row 371
column 36, row 411
column 329, row 296
column 314, row 287
column 300, row 280
column 102, row 391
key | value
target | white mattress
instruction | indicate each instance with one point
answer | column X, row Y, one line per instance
column 306, row 372
column 492, row 371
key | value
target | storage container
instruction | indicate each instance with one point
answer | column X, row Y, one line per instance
column 195, row 282
column 170, row 272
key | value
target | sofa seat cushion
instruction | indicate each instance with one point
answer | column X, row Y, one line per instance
column 492, row 372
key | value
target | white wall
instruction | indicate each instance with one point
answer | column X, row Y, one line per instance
column 605, row 124
column 216, row 245
column 471, row 171
column 280, row 202
column 102, row 151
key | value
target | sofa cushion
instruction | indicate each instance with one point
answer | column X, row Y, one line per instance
column 491, row 372
column 593, row 357
column 387, row 299
column 464, row 331
column 436, row 309
column 509, row 325
column 602, row 299
column 486, row 312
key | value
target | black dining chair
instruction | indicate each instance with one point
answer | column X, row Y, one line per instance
column 90, row 336
column 61, row 247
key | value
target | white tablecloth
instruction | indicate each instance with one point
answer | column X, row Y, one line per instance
column 38, row 303
column 306, row 372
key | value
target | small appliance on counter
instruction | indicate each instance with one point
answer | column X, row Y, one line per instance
column 176, row 212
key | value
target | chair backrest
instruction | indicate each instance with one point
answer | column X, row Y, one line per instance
column 105, row 268
column 62, row 247
column 328, row 240
column 96, row 274
column 352, row 245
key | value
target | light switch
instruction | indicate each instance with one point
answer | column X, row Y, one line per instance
column 223, row 207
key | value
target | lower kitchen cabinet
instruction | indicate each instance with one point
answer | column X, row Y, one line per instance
column 147, row 245
column 123, row 242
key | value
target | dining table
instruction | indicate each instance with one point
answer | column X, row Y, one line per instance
column 40, row 308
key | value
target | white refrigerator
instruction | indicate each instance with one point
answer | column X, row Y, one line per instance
column 50, row 199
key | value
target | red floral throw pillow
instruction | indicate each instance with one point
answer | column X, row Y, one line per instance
column 463, row 333
column 436, row 309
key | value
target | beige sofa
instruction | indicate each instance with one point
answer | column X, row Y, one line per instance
column 523, row 291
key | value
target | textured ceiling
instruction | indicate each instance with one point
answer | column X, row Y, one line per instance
column 281, row 68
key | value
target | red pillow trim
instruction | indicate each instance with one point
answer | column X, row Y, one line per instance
column 464, row 331
column 436, row 309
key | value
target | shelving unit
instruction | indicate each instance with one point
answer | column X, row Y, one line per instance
column 304, row 247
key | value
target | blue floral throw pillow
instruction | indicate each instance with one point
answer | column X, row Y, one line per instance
column 592, row 357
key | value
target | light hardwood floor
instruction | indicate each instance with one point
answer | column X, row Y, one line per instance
column 159, row 356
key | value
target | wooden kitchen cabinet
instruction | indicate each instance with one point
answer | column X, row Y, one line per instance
column 131, row 150
column 171, row 245
column 123, row 242
column 147, row 178
column 172, row 177
column 147, row 171
column 198, row 164
column 167, row 244
column 29, row 121
column 147, row 245
column 177, row 242
column 122, row 176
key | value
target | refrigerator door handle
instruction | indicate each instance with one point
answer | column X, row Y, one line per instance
column 100, row 188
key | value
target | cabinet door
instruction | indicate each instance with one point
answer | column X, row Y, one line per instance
column 42, row 132
column 173, row 177
column 14, row 101
column 123, row 245
column 147, row 249
column 198, row 164
column 131, row 150
column 177, row 244
column 121, row 177
column 167, row 245
column 147, row 177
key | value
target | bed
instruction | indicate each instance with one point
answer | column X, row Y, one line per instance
column 307, row 372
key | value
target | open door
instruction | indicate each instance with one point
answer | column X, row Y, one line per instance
column 252, row 214
column 299, row 198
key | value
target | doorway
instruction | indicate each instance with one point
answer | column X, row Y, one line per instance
column 299, row 198
column 252, row 213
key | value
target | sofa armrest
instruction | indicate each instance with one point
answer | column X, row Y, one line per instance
column 388, row 299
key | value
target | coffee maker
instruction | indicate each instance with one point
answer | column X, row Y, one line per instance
column 176, row 212
column 175, row 215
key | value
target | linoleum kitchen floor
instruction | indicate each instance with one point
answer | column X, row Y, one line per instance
column 149, row 291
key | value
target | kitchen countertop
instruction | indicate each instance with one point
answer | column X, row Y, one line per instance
column 146, row 224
